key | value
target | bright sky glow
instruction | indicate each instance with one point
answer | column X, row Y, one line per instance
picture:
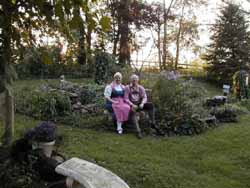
column 206, row 15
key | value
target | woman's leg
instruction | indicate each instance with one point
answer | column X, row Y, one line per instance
column 119, row 127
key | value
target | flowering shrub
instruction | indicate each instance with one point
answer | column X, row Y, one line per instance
column 43, row 132
column 179, row 106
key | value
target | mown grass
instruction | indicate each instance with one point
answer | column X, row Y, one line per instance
column 219, row 158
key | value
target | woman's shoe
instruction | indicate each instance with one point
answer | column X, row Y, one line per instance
column 119, row 131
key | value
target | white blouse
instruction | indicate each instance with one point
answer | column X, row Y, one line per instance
column 108, row 90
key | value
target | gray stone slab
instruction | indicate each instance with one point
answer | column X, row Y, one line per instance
column 90, row 175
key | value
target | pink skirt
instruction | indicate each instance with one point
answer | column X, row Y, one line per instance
column 121, row 109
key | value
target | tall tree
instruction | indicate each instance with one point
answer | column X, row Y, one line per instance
column 16, row 18
column 7, row 72
column 127, row 17
column 230, row 47
column 161, row 42
column 187, row 30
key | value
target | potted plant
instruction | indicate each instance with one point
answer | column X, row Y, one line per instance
column 43, row 136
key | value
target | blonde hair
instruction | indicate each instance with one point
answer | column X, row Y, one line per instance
column 118, row 74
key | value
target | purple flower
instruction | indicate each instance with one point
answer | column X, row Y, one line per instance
column 43, row 132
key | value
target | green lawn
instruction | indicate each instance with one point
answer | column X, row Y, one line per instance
column 219, row 158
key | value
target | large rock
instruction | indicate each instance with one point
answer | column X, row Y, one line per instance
column 90, row 175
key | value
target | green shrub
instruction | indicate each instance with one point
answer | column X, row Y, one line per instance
column 57, row 105
column 225, row 113
column 105, row 65
column 246, row 104
column 46, row 62
column 42, row 105
column 91, row 93
column 180, row 106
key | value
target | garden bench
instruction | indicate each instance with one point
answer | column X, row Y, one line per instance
column 142, row 115
column 89, row 175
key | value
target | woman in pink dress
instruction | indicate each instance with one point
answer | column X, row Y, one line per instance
column 114, row 93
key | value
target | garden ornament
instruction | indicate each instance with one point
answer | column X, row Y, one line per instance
column 62, row 77
column 226, row 89
column 83, row 174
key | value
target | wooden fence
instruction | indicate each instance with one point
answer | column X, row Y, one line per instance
column 155, row 65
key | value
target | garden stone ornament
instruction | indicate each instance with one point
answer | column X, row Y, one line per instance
column 83, row 174
column 64, row 84
column 170, row 75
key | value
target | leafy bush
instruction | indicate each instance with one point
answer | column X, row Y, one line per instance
column 91, row 93
column 104, row 67
column 240, row 107
column 179, row 106
column 42, row 105
column 45, row 62
column 225, row 114
column 58, row 106
column 16, row 175
column 246, row 104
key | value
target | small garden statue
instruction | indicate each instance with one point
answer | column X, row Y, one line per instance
column 62, row 82
column 241, row 84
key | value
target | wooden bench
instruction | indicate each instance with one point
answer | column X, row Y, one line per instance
column 139, row 115
column 84, row 174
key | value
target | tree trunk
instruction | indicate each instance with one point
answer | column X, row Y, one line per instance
column 116, row 22
column 177, row 46
column 159, row 46
column 88, row 38
column 124, row 55
column 164, row 53
column 178, row 40
column 9, row 118
column 82, row 58
column 116, row 39
column 89, row 43
column 82, row 50
column 7, row 74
